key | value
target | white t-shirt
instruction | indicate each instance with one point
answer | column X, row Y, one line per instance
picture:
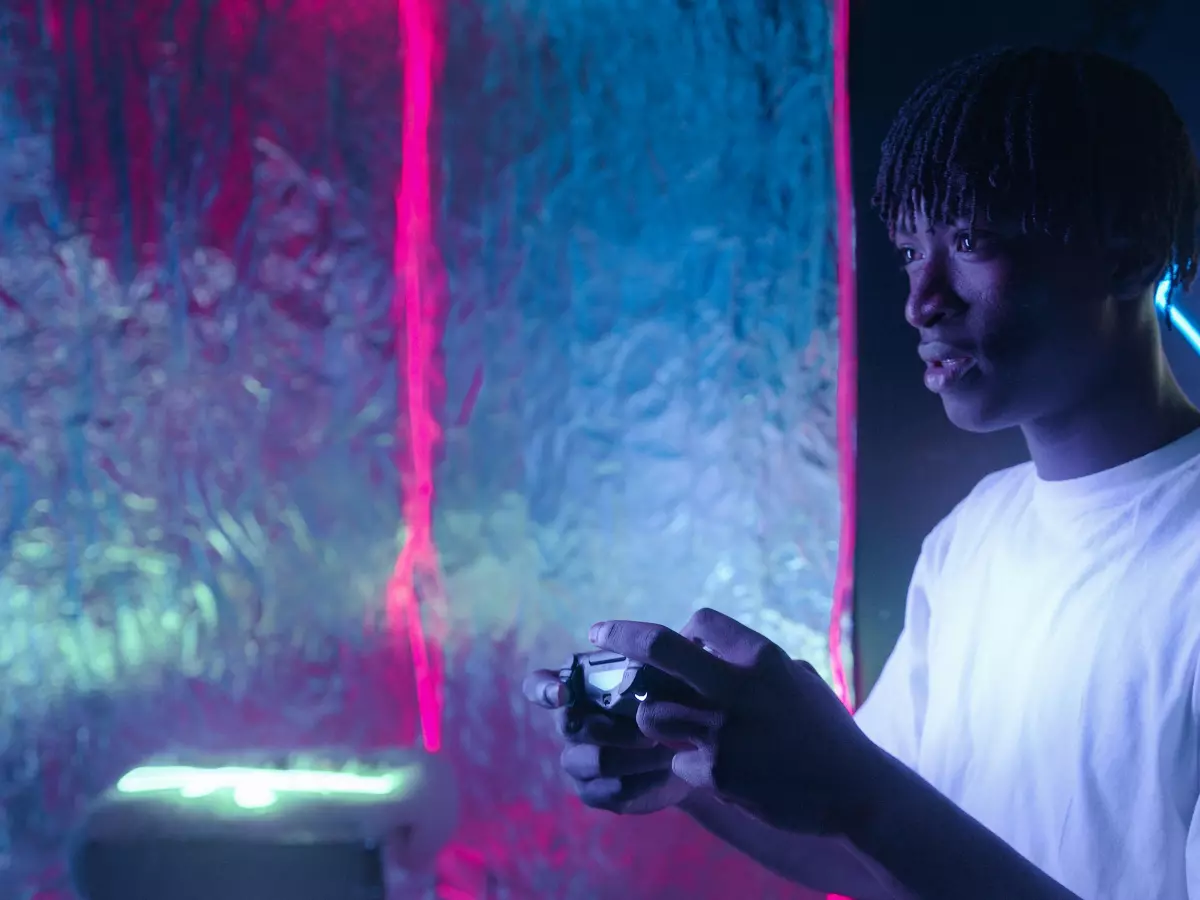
column 1046, row 677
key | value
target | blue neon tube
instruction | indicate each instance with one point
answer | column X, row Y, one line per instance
column 1176, row 317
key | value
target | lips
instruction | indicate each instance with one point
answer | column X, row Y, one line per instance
column 945, row 365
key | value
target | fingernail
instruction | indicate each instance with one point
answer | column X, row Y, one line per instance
column 596, row 632
column 555, row 694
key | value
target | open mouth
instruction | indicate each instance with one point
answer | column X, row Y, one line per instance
column 946, row 364
column 944, row 374
column 951, row 364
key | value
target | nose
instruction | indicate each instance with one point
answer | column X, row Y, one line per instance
column 930, row 295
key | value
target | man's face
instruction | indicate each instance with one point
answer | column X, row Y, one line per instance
column 1013, row 327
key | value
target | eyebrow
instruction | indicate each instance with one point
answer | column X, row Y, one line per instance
column 910, row 233
column 959, row 224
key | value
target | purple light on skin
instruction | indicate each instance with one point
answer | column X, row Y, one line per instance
column 1176, row 318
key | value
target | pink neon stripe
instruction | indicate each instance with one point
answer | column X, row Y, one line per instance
column 847, row 352
column 847, row 389
column 415, row 311
column 847, row 396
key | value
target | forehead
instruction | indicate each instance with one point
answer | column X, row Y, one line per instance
column 924, row 188
column 917, row 222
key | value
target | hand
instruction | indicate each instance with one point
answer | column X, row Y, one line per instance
column 777, row 742
column 611, row 764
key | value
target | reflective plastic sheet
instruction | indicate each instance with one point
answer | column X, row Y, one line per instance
column 207, row 390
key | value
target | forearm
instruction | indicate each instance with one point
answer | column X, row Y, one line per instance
column 827, row 864
column 937, row 851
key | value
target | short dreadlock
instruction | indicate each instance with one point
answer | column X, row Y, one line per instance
column 1071, row 144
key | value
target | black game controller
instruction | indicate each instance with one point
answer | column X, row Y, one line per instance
column 619, row 685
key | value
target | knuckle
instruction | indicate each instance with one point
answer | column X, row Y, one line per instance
column 653, row 641
column 651, row 721
column 650, row 714
column 614, row 633
column 766, row 654
column 760, row 653
column 699, row 624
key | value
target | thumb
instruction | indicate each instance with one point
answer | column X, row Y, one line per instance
column 545, row 689
column 695, row 767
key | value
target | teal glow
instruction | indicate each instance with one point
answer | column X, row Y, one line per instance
column 1175, row 316
column 251, row 788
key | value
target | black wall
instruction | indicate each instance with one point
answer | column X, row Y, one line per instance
column 913, row 466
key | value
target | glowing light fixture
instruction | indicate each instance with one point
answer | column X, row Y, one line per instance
column 252, row 788
column 1176, row 318
column 415, row 311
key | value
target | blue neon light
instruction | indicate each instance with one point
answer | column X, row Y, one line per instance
column 1176, row 316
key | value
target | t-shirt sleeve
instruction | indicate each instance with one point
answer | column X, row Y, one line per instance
column 1192, row 856
column 893, row 715
column 1192, row 847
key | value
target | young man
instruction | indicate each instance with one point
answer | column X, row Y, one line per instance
column 1036, row 732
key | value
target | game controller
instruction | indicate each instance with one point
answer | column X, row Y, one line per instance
column 619, row 685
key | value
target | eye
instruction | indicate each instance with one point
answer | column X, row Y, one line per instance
column 906, row 255
column 972, row 242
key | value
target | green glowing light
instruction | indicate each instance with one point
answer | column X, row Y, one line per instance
column 251, row 788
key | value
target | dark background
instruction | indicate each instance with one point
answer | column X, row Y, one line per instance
column 913, row 465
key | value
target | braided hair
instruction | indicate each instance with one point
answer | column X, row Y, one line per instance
column 1075, row 145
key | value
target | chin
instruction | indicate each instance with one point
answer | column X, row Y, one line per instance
column 974, row 414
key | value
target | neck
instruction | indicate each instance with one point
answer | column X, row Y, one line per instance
column 1135, row 408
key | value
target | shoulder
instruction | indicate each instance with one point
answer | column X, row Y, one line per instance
column 1167, row 524
column 1000, row 488
column 989, row 504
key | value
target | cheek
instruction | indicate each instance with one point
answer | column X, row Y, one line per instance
column 1020, row 321
column 1008, row 328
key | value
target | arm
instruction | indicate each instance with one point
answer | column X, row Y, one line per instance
column 910, row 842
column 891, row 718
column 826, row 864
column 935, row 849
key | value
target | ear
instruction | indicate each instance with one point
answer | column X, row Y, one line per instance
column 1135, row 272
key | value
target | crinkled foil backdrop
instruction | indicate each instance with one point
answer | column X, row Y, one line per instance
column 199, row 395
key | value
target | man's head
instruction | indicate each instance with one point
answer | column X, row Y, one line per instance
column 1036, row 197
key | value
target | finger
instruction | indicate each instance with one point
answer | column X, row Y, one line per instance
column 546, row 689
column 673, row 723
column 668, row 651
column 616, row 794
column 584, row 726
column 695, row 767
column 726, row 637
column 585, row 762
